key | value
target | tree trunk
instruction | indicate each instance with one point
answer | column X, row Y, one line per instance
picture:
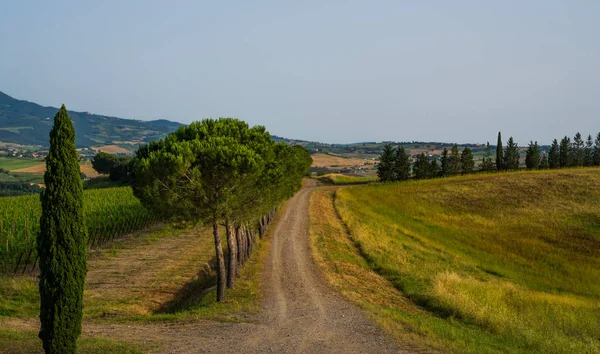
column 240, row 242
column 260, row 228
column 231, row 255
column 221, row 278
column 249, row 240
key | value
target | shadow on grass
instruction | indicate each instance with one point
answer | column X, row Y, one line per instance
column 192, row 293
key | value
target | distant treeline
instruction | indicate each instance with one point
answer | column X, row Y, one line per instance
column 396, row 165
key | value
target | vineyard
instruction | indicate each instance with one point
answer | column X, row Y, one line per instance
column 110, row 213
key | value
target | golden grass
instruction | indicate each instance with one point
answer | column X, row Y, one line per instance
column 111, row 149
column 324, row 160
column 490, row 263
column 340, row 179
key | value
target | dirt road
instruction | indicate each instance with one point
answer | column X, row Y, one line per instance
column 300, row 313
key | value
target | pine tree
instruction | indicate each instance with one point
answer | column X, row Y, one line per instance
column 62, row 242
column 565, row 152
column 588, row 152
column 401, row 164
column 544, row 162
column 385, row 170
column 532, row 157
column 445, row 163
column 499, row 154
column 487, row 164
column 554, row 155
column 511, row 155
column 578, row 151
column 421, row 167
column 434, row 169
column 454, row 165
column 596, row 152
column 466, row 161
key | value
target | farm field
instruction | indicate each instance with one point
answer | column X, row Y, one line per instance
column 325, row 160
column 110, row 212
column 11, row 164
column 477, row 264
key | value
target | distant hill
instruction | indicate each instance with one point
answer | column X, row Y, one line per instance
column 27, row 123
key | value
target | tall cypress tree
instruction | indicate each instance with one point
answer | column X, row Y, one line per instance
column 385, row 170
column 553, row 155
column 62, row 242
column 588, row 152
column 499, row 153
column 577, row 150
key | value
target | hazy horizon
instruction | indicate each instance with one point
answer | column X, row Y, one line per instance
column 334, row 73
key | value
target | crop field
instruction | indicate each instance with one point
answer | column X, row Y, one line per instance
column 110, row 212
column 325, row 160
column 477, row 264
column 340, row 179
column 11, row 163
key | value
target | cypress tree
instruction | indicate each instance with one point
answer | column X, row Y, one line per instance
column 385, row 170
column 564, row 153
column 532, row 157
column 553, row 155
column 445, row 163
column 596, row 152
column 499, row 153
column 544, row 162
column 434, row 169
column 511, row 155
column 466, row 161
column 401, row 164
column 62, row 242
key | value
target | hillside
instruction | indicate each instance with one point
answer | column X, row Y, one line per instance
column 477, row 264
column 28, row 123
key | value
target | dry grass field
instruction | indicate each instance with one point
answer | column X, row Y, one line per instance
column 111, row 149
column 477, row 264
column 325, row 160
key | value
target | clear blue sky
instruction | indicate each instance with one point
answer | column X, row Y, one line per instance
column 332, row 71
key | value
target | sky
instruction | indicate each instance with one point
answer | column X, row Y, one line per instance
column 329, row 71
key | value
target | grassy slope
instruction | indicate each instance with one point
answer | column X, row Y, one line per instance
column 490, row 263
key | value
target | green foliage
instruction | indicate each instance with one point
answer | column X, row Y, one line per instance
column 103, row 162
column 578, row 151
column 511, row 155
column 487, row 164
column 434, row 169
column 62, row 242
column 588, row 152
column 554, row 155
column 401, row 164
column 445, row 163
column 454, row 167
column 564, row 153
column 596, row 151
column 121, row 169
column 499, row 154
column 532, row 156
column 466, row 161
column 385, row 169
column 544, row 162
column 421, row 167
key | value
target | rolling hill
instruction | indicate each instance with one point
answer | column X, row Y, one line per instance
column 27, row 123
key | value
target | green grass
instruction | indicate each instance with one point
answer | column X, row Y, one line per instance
column 13, row 163
column 488, row 263
column 340, row 179
column 27, row 342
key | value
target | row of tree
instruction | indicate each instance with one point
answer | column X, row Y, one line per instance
column 220, row 172
column 396, row 165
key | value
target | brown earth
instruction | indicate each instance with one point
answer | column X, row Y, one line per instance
column 300, row 313
column 111, row 149
column 41, row 168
